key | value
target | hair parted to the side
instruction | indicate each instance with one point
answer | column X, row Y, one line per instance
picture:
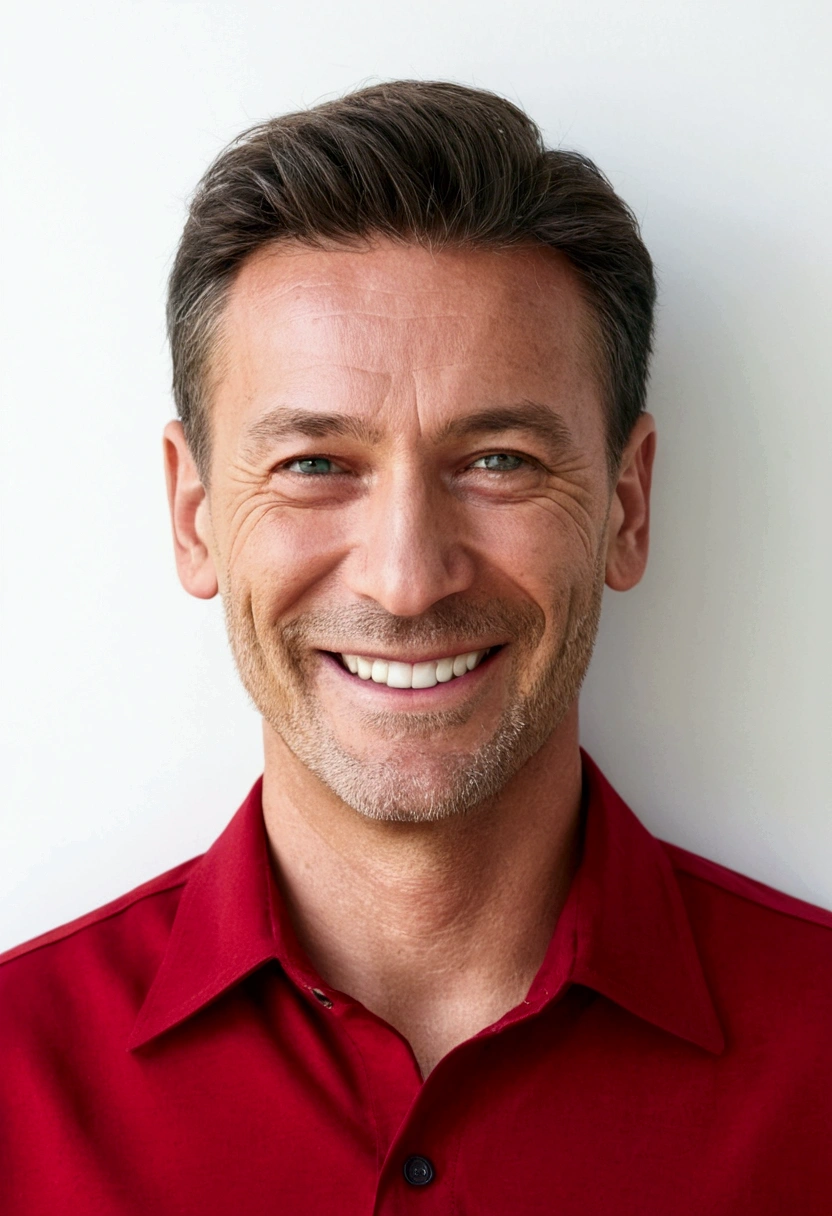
column 422, row 161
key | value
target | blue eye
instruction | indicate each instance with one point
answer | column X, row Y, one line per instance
column 313, row 465
column 499, row 462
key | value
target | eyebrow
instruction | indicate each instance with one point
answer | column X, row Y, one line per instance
column 282, row 422
column 531, row 416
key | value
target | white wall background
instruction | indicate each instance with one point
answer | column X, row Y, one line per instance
column 126, row 741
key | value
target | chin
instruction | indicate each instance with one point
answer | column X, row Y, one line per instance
column 415, row 789
column 409, row 799
column 420, row 785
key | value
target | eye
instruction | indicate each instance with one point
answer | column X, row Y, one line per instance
column 313, row 465
column 499, row 462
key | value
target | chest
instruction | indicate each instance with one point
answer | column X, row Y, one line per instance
column 582, row 1110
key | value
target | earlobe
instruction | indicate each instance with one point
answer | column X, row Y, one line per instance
column 190, row 517
column 628, row 529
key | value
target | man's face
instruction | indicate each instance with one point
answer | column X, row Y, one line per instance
column 409, row 507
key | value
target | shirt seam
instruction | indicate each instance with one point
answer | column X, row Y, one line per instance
column 454, row 1205
column 23, row 951
column 217, row 987
column 749, row 899
column 380, row 1154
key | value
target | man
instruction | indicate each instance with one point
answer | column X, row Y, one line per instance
column 434, row 963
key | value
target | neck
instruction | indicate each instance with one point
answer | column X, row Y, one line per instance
column 439, row 928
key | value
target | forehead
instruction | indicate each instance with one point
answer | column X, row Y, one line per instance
column 380, row 328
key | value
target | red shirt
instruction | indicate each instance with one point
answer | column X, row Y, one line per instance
column 175, row 1053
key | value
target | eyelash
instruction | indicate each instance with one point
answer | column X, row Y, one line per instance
column 525, row 461
column 286, row 468
column 508, row 455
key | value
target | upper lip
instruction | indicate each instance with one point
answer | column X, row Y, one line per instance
column 424, row 656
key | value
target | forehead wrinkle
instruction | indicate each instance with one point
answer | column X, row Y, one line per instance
column 467, row 308
column 305, row 272
column 381, row 306
column 327, row 299
column 320, row 293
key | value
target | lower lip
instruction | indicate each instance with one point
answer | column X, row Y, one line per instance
column 414, row 698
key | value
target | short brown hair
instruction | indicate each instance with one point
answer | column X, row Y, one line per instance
column 421, row 161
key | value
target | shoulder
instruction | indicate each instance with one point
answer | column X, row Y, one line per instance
column 732, row 889
column 116, row 936
column 68, row 1001
column 766, row 956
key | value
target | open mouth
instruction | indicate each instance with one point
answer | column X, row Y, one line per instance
column 397, row 674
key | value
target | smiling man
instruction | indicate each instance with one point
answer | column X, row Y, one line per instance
column 434, row 962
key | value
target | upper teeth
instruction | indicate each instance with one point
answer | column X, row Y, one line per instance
column 412, row 675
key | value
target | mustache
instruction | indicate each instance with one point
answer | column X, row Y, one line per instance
column 452, row 622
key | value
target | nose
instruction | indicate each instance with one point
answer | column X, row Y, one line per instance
column 409, row 553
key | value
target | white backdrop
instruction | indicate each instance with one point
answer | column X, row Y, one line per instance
column 126, row 741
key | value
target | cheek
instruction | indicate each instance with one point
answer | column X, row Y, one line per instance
column 534, row 551
column 541, row 558
column 280, row 553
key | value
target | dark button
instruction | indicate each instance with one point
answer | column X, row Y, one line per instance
column 322, row 997
column 418, row 1171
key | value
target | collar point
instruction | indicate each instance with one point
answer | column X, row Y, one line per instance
column 710, row 1038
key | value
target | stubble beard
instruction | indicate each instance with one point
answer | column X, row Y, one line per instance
column 277, row 667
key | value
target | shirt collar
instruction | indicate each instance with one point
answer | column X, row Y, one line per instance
column 229, row 922
column 623, row 932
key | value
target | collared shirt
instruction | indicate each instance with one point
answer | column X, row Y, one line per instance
column 175, row 1053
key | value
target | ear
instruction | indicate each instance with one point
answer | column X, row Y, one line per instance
column 189, row 516
column 628, row 532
